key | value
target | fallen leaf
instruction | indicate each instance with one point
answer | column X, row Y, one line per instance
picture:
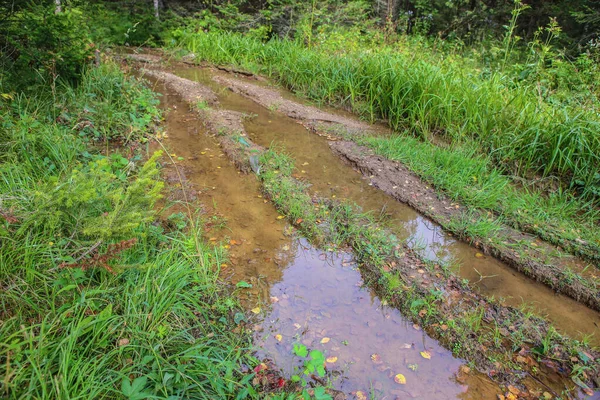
column 278, row 337
column 360, row 395
column 299, row 221
column 123, row 342
column 514, row 390
column 444, row 327
column 331, row 360
column 233, row 242
column 425, row 354
column 325, row 340
column 274, row 299
column 400, row 379
column 376, row 358
column 280, row 217
column 256, row 310
column 479, row 255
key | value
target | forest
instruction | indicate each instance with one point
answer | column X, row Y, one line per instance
column 284, row 199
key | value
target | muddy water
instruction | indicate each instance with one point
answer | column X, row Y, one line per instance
column 294, row 283
column 235, row 212
column 331, row 178
column 321, row 303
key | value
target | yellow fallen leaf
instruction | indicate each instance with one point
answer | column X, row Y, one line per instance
column 278, row 337
column 360, row 395
column 256, row 310
column 479, row 255
column 331, row 360
column 400, row 379
column 325, row 340
column 425, row 354
column 203, row 152
column 280, row 217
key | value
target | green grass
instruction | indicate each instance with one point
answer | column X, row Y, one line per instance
column 100, row 298
column 498, row 135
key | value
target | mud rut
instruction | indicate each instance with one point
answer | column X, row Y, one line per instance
column 309, row 295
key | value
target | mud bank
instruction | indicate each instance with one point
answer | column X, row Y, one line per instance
column 500, row 341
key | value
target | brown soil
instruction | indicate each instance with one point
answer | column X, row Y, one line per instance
column 457, row 300
column 396, row 180
column 311, row 117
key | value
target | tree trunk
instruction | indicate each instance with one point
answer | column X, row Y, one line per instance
column 58, row 8
column 155, row 9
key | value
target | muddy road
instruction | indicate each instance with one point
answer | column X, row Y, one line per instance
column 317, row 297
column 330, row 177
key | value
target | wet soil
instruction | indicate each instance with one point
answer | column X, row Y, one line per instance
column 281, row 257
column 541, row 261
column 329, row 177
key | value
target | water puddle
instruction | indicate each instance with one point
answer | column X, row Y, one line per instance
column 321, row 304
column 331, row 178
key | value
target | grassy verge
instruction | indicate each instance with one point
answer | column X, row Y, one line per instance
column 100, row 298
column 496, row 136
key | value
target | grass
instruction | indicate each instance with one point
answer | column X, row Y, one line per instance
column 101, row 299
column 496, row 135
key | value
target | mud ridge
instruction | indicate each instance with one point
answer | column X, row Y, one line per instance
column 457, row 299
column 405, row 186
column 313, row 118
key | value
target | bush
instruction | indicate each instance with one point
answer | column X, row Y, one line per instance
column 40, row 43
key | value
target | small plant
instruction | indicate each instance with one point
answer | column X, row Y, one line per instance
column 314, row 364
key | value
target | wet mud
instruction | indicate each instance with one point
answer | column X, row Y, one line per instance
column 540, row 261
column 316, row 164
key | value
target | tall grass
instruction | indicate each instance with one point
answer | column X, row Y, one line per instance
column 520, row 132
column 161, row 325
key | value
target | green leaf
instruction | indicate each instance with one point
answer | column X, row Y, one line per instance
column 134, row 390
column 243, row 284
column 300, row 350
column 239, row 317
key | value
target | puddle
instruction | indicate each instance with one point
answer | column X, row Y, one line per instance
column 320, row 299
column 332, row 178
column 235, row 211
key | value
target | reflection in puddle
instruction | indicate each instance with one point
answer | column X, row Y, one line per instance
column 321, row 304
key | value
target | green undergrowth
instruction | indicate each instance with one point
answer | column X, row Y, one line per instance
column 532, row 162
column 101, row 298
column 464, row 333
